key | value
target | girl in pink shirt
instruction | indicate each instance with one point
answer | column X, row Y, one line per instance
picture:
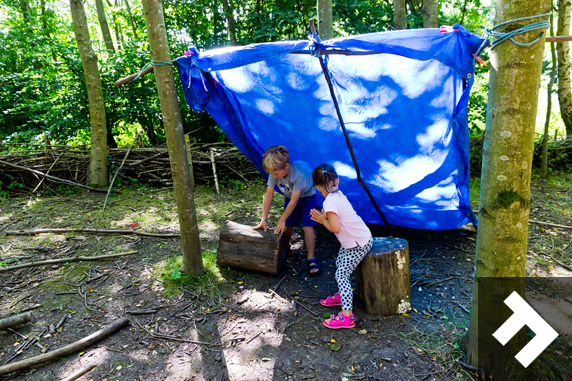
column 339, row 217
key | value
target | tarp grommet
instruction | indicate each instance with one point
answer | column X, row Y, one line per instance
column 469, row 76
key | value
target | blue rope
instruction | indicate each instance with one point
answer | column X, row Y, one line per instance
column 501, row 37
column 154, row 63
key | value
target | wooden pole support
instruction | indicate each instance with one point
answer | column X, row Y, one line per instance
column 214, row 171
column 64, row 351
column 15, row 321
column 242, row 247
column 383, row 277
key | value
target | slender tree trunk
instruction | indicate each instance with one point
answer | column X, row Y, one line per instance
column 325, row 26
column 230, row 20
column 45, row 26
column 98, row 157
column 131, row 18
column 191, row 245
column 399, row 14
column 430, row 12
column 117, row 27
column 104, row 27
column 549, row 105
column 563, row 48
column 504, row 203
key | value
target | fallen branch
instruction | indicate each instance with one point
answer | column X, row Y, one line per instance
column 51, row 177
column 64, row 351
column 132, row 77
column 174, row 338
column 81, row 372
column 48, row 171
column 14, row 321
column 98, row 231
column 560, row 263
column 65, row 260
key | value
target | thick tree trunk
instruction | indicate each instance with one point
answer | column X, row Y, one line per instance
column 544, row 164
column 563, row 48
column 430, row 12
column 191, row 245
column 399, row 14
column 230, row 20
column 104, row 27
column 504, row 203
column 383, row 277
column 131, row 18
column 244, row 248
column 325, row 26
column 98, row 157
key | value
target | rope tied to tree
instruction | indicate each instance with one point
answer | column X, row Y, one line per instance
column 154, row 63
column 501, row 36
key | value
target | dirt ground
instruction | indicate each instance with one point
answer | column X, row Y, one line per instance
column 227, row 325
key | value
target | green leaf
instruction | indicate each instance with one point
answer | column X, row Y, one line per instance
column 327, row 315
column 335, row 347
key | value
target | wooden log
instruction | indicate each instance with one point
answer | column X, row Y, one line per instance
column 383, row 277
column 64, row 351
column 244, row 248
column 15, row 321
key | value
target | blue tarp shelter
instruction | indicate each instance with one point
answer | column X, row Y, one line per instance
column 402, row 95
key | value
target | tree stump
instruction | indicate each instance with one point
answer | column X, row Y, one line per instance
column 383, row 277
column 244, row 248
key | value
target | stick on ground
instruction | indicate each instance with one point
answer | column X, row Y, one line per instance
column 81, row 372
column 14, row 321
column 98, row 231
column 65, row 260
column 64, row 351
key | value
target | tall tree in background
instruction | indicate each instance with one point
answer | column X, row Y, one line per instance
column 131, row 18
column 104, row 27
column 98, row 157
column 325, row 26
column 399, row 14
column 504, row 203
column 563, row 48
column 544, row 164
column 430, row 12
column 191, row 245
column 230, row 21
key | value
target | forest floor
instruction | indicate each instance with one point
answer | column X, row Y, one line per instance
column 226, row 324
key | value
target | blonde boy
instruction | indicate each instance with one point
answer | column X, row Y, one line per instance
column 295, row 183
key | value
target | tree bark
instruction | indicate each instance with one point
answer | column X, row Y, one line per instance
column 15, row 321
column 430, row 12
column 131, row 18
column 191, row 245
column 230, row 20
column 504, row 203
column 544, row 164
column 399, row 14
column 104, row 27
column 325, row 26
column 563, row 48
column 98, row 157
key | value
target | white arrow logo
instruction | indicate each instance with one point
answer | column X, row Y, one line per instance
column 523, row 315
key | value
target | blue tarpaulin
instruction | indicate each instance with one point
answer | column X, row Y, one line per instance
column 403, row 98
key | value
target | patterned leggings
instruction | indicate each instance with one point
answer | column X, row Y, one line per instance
column 346, row 263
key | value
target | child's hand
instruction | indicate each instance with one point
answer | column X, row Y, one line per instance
column 262, row 224
column 318, row 216
column 280, row 225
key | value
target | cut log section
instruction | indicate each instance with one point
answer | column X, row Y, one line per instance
column 383, row 277
column 15, row 321
column 244, row 248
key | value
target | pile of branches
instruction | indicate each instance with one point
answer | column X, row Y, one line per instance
column 559, row 154
column 149, row 167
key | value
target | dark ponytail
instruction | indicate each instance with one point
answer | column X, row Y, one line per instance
column 325, row 176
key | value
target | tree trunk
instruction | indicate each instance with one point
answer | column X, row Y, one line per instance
column 430, row 12
column 325, row 27
column 504, row 203
column 230, row 20
column 548, row 106
column 117, row 29
column 131, row 18
column 104, row 27
column 399, row 14
column 191, row 245
column 98, row 157
column 563, row 48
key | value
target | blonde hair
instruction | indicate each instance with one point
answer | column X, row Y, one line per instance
column 275, row 158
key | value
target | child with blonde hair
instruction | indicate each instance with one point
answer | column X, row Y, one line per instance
column 295, row 183
column 339, row 217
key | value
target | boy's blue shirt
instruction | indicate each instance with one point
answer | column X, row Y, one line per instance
column 299, row 179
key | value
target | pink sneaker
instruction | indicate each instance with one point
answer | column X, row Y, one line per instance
column 335, row 300
column 340, row 321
